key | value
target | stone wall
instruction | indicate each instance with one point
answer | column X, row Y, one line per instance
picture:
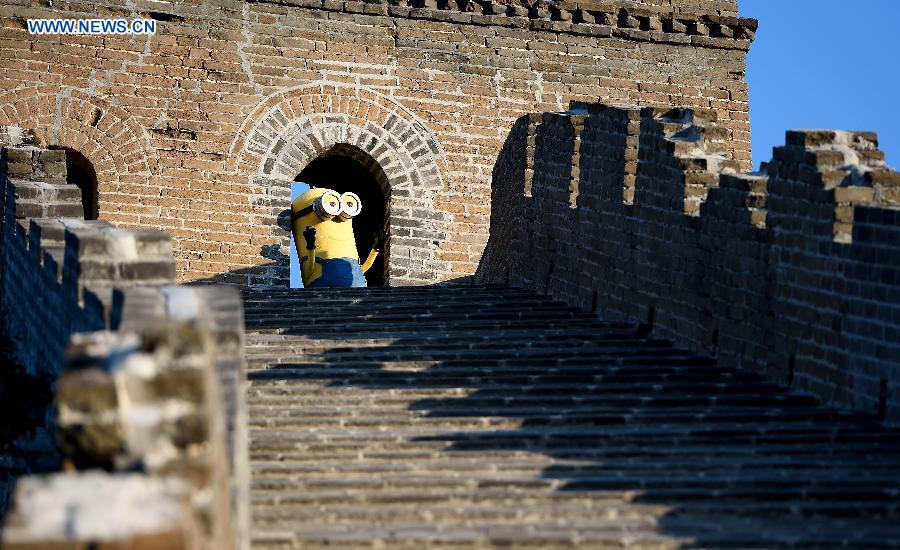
column 127, row 403
column 163, row 395
column 198, row 129
column 218, row 310
column 641, row 214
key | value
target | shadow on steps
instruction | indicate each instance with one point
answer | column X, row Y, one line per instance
column 713, row 457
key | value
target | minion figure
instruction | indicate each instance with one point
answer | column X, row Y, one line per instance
column 324, row 218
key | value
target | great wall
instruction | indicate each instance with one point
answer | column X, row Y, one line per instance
column 593, row 325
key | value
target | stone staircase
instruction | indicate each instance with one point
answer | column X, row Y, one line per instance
column 477, row 416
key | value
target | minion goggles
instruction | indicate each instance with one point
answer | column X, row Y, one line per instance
column 331, row 206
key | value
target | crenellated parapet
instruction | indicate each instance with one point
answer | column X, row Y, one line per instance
column 742, row 198
column 151, row 387
column 689, row 144
column 59, row 271
column 641, row 213
column 159, row 403
column 844, row 168
column 128, row 403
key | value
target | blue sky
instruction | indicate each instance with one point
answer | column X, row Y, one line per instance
column 297, row 189
column 824, row 64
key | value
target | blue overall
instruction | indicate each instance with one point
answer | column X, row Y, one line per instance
column 338, row 272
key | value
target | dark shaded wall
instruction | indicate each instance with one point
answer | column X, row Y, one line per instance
column 57, row 277
column 640, row 214
column 57, row 274
column 39, row 302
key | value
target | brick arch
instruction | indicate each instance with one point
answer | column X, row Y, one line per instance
column 379, row 115
column 291, row 129
column 108, row 136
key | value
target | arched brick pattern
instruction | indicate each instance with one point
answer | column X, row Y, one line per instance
column 108, row 136
column 291, row 129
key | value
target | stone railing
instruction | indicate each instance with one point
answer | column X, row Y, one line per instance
column 640, row 214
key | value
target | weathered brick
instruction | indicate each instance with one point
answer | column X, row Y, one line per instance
column 217, row 80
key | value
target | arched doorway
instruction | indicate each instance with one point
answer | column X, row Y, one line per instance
column 80, row 172
column 345, row 168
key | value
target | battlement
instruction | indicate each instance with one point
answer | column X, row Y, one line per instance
column 175, row 358
column 68, row 267
column 638, row 213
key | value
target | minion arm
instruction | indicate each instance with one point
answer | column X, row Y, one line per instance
column 376, row 248
column 309, row 263
column 306, row 268
column 370, row 260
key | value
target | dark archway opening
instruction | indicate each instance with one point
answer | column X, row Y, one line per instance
column 80, row 172
column 347, row 169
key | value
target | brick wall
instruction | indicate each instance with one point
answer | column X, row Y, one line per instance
column 199, row 129
column 641, row 214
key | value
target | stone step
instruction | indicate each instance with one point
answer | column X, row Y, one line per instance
column 883, row 486
column 406, row 311
column 279, row 514
column 405, row 375
column 494, row 386
column 410, row 336
column 455, row 416
column 334, row 307
column 297, row 451
column 377, row 463
column 265, row 403
column 354, row 329
column 392, row 321
column 483, row 535
column 329, row 304
column 496, row 493
column 558, row 343
column 728, row 487
column 613, row 349
column 514, row 416
column 282, row 515
column 634, row 359
column 823, row 453
column 547, row 438
column 663, row 367
column 544, row 335
column 600, row 368
column 721, row 532
column 460, row 358
column 446, row 289
column 688, row 489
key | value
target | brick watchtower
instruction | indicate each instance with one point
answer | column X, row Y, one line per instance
column 199, row 129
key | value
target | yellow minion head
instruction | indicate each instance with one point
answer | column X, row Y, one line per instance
column 328, row 212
